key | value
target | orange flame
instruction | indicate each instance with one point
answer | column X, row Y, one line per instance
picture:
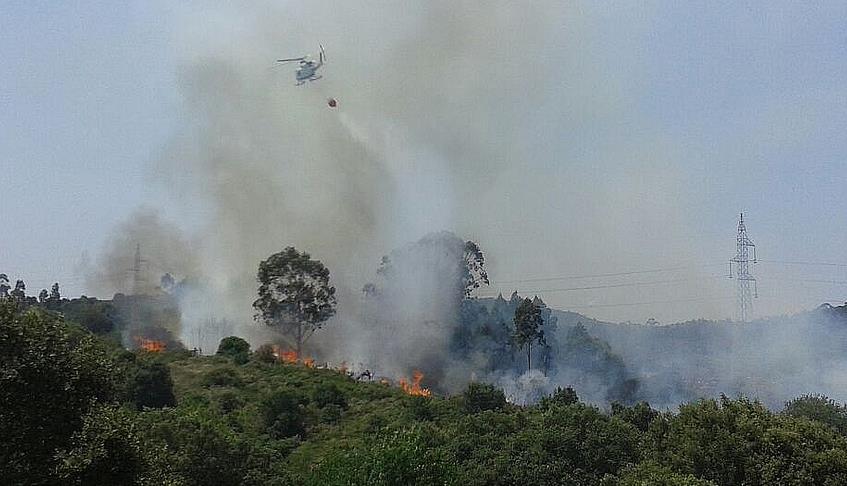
column 150, row 345
column 291, row 357
column 414, row 388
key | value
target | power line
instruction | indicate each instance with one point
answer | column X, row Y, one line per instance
column 821, row 264
column 625, row 304
column 612, row 286
column 615, row 274
column 810, row 280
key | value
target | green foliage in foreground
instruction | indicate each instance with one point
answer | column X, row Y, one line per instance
column 75, row 410
column 236, row 348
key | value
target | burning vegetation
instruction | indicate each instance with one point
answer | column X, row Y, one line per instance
column 289, row 356
column 151, row 345
column 414, row 388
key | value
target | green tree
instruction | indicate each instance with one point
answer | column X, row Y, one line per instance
column 265, row 354
column 42, row 296
column 479, row 397
column 19, row 293
column 652, row 474
column 411, row 456
column 50, row 377
column 560, row 397
column 295, row 295
column 235, row 348
column 476, row 274
column 150, row 385
column 4, row 285
column 459, row 263
column 107, row 450
column 282, row 415
column 820, row 408
column 329, row 394
column 55, row 297
column 202, row 449
column 641, row 415
column 528, row 328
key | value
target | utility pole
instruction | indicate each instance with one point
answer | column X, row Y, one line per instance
column 138, row 281
column 746, row 283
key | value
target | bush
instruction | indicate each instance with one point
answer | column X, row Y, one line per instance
column 228, row 401
column 331, row 413
column 479, row 397
column 221, row 376
column 329, row 394
column 741, row 442
column 820, row 408
column 150, row 385
column 202, row 449
column 420, row 408
column 106, row 451
column 265, row 354
column 282, row 415
column 562, row 396
column 650, row 473
column 410, row 457
column 49, row 380
column 235, row 348
column 640, row 415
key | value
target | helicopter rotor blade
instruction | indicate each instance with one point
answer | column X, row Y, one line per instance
column 291, row 59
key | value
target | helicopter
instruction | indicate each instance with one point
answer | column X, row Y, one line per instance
column 308, row 67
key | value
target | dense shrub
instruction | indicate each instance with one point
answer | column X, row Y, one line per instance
column 740, row 442
column 640, row 415
column 222, row 376
column 107, row 450
column 235, row 348
column 150, row 385
column 50, row 377
column 561, row 397
column 479, row 397
column 328, row 394
column 652, row 474
column 282, row 414
column 820, row 408
column 265, row 354
column 62, row 423
column 410, row 456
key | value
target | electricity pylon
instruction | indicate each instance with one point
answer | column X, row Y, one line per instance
column 747, row 289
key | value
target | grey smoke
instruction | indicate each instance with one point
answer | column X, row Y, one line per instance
column 428, row 119
column 452, row 115
column 164, row 248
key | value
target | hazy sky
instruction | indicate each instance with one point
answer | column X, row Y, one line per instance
column 606, row 138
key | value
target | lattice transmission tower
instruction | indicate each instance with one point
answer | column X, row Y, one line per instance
column 139, row 282
column 746, row 283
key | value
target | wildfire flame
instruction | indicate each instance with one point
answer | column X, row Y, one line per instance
column 414, row 388
column 291, row 357
column 150, row 345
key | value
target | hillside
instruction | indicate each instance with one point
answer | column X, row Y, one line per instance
column 77, row 409
column 772, row 359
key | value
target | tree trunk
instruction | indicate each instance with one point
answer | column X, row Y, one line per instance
column 529, row 356
column 299, row 341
